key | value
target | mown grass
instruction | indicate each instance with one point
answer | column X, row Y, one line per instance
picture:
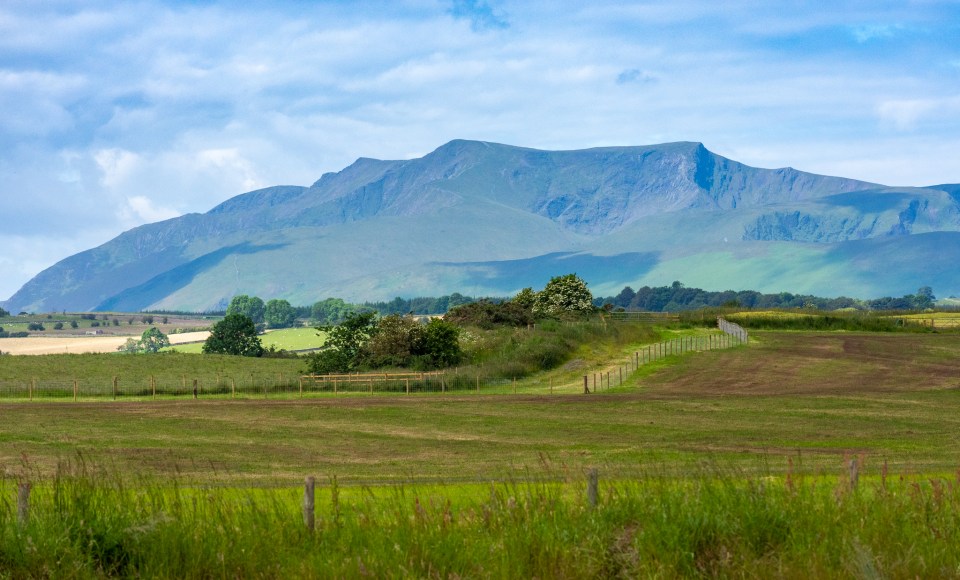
column 290, row 339
column 94, row 373
column 89, row 523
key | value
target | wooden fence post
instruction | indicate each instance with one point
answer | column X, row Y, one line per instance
column 75, row 389
column 478, row 383
column 308, row 503
column 114, row 388
column 233, row 388
column 23, row 503
column 586, row 389
column 153, row 386
column 593, row 481
column 636, row 356
column 408, row 385
column 854, row 474
column 195, row 392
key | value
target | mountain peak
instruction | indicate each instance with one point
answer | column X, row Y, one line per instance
column 477, row 216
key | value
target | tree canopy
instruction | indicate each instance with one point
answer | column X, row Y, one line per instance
column 236, row 334
column 279, row 314
column 250, row 306
column 152, row 340
column 563, row 295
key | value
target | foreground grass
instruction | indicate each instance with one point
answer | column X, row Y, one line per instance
column 86, row 523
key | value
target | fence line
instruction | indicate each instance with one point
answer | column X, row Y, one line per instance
column 283, row 385
column 733, row 329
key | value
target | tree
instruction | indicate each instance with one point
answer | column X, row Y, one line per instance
column 924, row 298
column 279, row 314
column 396, row 341
column 525, row 297
column 4, row 313
column 152, row 340
column 74, row 324
column 236, row 334
column 441, row 344
column 331, row 311
column 563, row 295
column 343, row 349
column 249, row 306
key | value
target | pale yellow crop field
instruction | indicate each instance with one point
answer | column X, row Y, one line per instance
column 82, row 344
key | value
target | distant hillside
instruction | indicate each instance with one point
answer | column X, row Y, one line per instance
column 487, row 219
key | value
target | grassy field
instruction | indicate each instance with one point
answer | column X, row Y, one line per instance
column 292, row 339
column 730, row 462
column 86, row 523
column 815, row 397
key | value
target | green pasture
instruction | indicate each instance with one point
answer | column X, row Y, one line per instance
column 729, row 463
column 290, row 339
column 813, row 397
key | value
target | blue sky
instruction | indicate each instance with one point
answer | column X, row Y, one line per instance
column 115, row 114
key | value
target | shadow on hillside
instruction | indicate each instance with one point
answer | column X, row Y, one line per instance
column 143, row 295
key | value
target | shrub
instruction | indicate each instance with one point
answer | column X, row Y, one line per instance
column 35, row 326
column 487, row 315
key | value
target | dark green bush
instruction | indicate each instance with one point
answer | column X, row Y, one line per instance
column 486, row 314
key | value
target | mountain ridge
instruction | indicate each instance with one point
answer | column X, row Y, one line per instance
column 379, row 228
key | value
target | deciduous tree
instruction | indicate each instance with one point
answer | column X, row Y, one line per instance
column 236, row 334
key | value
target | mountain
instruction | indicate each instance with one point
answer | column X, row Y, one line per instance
column 484, row 218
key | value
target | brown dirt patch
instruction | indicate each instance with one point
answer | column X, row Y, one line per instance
column 816, row 364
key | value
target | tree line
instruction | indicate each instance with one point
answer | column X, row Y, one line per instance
column 677, row 297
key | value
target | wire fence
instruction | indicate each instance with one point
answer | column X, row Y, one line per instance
column 285, row 385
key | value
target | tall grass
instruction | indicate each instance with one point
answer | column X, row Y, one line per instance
column 88, row 523
column 854, row 322
column 505, row 353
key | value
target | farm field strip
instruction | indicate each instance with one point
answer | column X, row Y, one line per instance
column 191, row 375
column 40, row 345
column 812, row 398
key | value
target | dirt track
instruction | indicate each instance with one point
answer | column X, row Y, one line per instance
column 83, row 344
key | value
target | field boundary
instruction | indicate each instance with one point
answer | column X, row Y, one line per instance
column 292, row 385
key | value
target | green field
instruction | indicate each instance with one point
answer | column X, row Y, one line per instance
column 292, row 339
column 731, row 462
column 893, row 397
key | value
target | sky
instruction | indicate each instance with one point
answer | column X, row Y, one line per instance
column 117, row 114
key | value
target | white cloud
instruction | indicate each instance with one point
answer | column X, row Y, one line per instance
column 144, row 110
column 141, row 210
column 867, row 32
column 116, row 166
column 906, row 114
